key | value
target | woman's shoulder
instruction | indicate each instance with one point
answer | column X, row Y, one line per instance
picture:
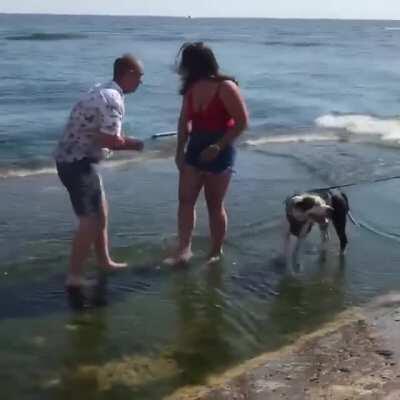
column 228, row 87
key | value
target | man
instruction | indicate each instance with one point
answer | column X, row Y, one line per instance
column 94, row 124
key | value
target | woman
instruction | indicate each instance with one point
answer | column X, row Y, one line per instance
column 213, row 115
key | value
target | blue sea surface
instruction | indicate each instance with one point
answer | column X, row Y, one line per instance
column 291, row 72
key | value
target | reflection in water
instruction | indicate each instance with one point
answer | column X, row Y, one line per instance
column 85, row 345
column 202, row 343
column 308, row 299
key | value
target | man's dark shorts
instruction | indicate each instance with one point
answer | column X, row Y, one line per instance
column 84, row 186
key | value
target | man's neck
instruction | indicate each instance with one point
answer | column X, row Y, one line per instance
column 119, row 85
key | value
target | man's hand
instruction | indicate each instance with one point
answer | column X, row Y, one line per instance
column 116, row 142
column 133, row 144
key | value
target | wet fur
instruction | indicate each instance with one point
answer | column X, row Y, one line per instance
column 304, row 210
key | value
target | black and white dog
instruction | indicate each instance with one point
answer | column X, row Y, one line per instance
column 320, row 207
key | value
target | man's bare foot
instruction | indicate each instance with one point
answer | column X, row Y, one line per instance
column 181, row 258
column 76, row 297
column 110, row 265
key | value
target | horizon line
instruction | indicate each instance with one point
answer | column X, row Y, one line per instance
column 198, row 17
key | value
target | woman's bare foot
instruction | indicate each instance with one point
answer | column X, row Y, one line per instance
column 215, row 257
column 183, row 257
column 110, row 265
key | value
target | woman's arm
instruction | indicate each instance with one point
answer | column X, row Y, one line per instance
column 236, row 107
column 183, row 132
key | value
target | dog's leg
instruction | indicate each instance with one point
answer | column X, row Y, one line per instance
column 291, row 251
column 304, row 231
column 285, row 235
column 323, row 228
column 339, row 219
column 295, row 231
column 287, row 247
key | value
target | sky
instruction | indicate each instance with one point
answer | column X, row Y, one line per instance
column 343, row 9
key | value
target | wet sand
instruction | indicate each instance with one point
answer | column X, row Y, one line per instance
column 356, row 356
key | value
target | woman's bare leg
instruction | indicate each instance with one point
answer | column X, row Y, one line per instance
column 215, row 189
column 190, row 184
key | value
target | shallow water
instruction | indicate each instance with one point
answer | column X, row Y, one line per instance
column 164, row 328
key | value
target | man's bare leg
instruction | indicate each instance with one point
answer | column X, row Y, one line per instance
column 101, row 241
column 81, row 245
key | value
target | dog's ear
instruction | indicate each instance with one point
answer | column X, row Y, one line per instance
column 305, row 204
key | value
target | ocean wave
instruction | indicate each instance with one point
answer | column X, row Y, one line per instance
column 352, row 128
column 17, row 172
column 364, row 127
column 294, row 44
column 295, row 138
column 27, row 169
column 392, row 28
column 43, row 36
column 23, row 172
column 159, row 38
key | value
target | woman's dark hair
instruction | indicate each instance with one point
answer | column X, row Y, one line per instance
column 196, row 61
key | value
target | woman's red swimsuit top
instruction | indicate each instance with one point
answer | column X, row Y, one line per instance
column 213, row 119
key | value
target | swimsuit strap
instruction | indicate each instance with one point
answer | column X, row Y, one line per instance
column 212, row 100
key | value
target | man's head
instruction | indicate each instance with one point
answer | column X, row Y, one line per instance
column 128, row 72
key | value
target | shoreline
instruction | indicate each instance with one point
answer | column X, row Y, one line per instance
column 355, row 356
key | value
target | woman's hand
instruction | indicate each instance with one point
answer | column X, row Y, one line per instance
column 210, row 153
column 179, row 159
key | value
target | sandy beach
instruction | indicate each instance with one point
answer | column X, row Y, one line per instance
column 354, row 357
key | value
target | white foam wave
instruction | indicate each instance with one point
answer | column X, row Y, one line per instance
column 24, row 172
column 110, row 163
column 289, row 139
column 383, row 129
column 136, row 158
column 392, row 28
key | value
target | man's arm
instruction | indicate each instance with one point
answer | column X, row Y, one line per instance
column 110, row 131
column 117, row 142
